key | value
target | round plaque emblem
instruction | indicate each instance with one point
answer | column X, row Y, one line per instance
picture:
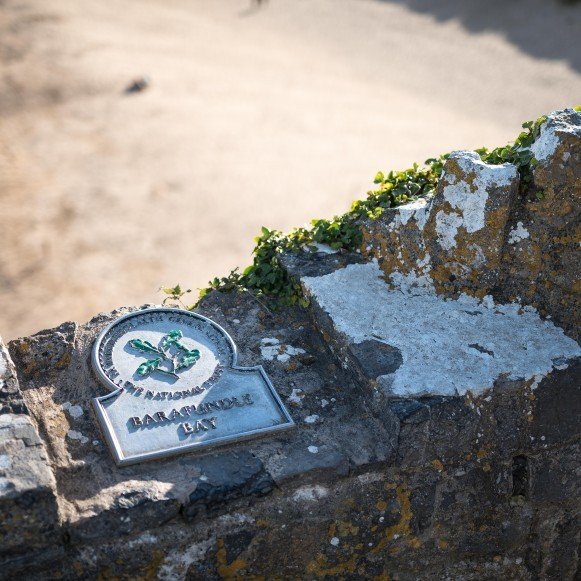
column 164, row 350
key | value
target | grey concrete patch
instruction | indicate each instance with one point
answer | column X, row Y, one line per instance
column 435, row 336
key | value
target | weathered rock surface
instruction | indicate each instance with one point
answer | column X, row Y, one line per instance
column 28, row 505
column 479, row 237
column 419, row 344
column 454, row 241
column 541, row 264
column 434, row 381
column 96, row 498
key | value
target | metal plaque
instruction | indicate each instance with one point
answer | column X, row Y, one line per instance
column 176, row 387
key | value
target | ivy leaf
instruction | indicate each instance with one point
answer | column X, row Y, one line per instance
column 187, row 359
column 144, row 346
column 171, row 339
column 168, row 290
column 149, row 366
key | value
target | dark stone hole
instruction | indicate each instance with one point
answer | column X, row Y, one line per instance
column 520, row 476
column 376, row 357
column 236, row 543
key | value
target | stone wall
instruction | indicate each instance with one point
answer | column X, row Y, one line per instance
column 434, row 381
column 478, row 236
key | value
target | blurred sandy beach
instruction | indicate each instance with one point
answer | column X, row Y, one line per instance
column 268, row 114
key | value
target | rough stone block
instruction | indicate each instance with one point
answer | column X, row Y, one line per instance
column 542, row 258
column 11, row 400
column 43, row 354
column 337, row 430
column 480, row 235
column 227, row 477
column 396, row 241
column 465, row 232
column 453, row 241
column 446, row 347
column 556, row 410
column 28, row 503
column 555, row 477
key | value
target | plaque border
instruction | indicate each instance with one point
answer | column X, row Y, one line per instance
column 107, row 427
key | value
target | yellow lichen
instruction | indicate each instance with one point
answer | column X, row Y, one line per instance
column 437, row 464
column 403, row 526
column 225, row 570
column 345, row 529
column 320, row 567
column 78, row 568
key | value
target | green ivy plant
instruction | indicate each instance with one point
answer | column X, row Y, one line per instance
column 170, row 351
column 266, row 279
column 175, row 294
column 519, row 154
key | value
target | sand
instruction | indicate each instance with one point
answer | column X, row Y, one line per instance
column 253, row 116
